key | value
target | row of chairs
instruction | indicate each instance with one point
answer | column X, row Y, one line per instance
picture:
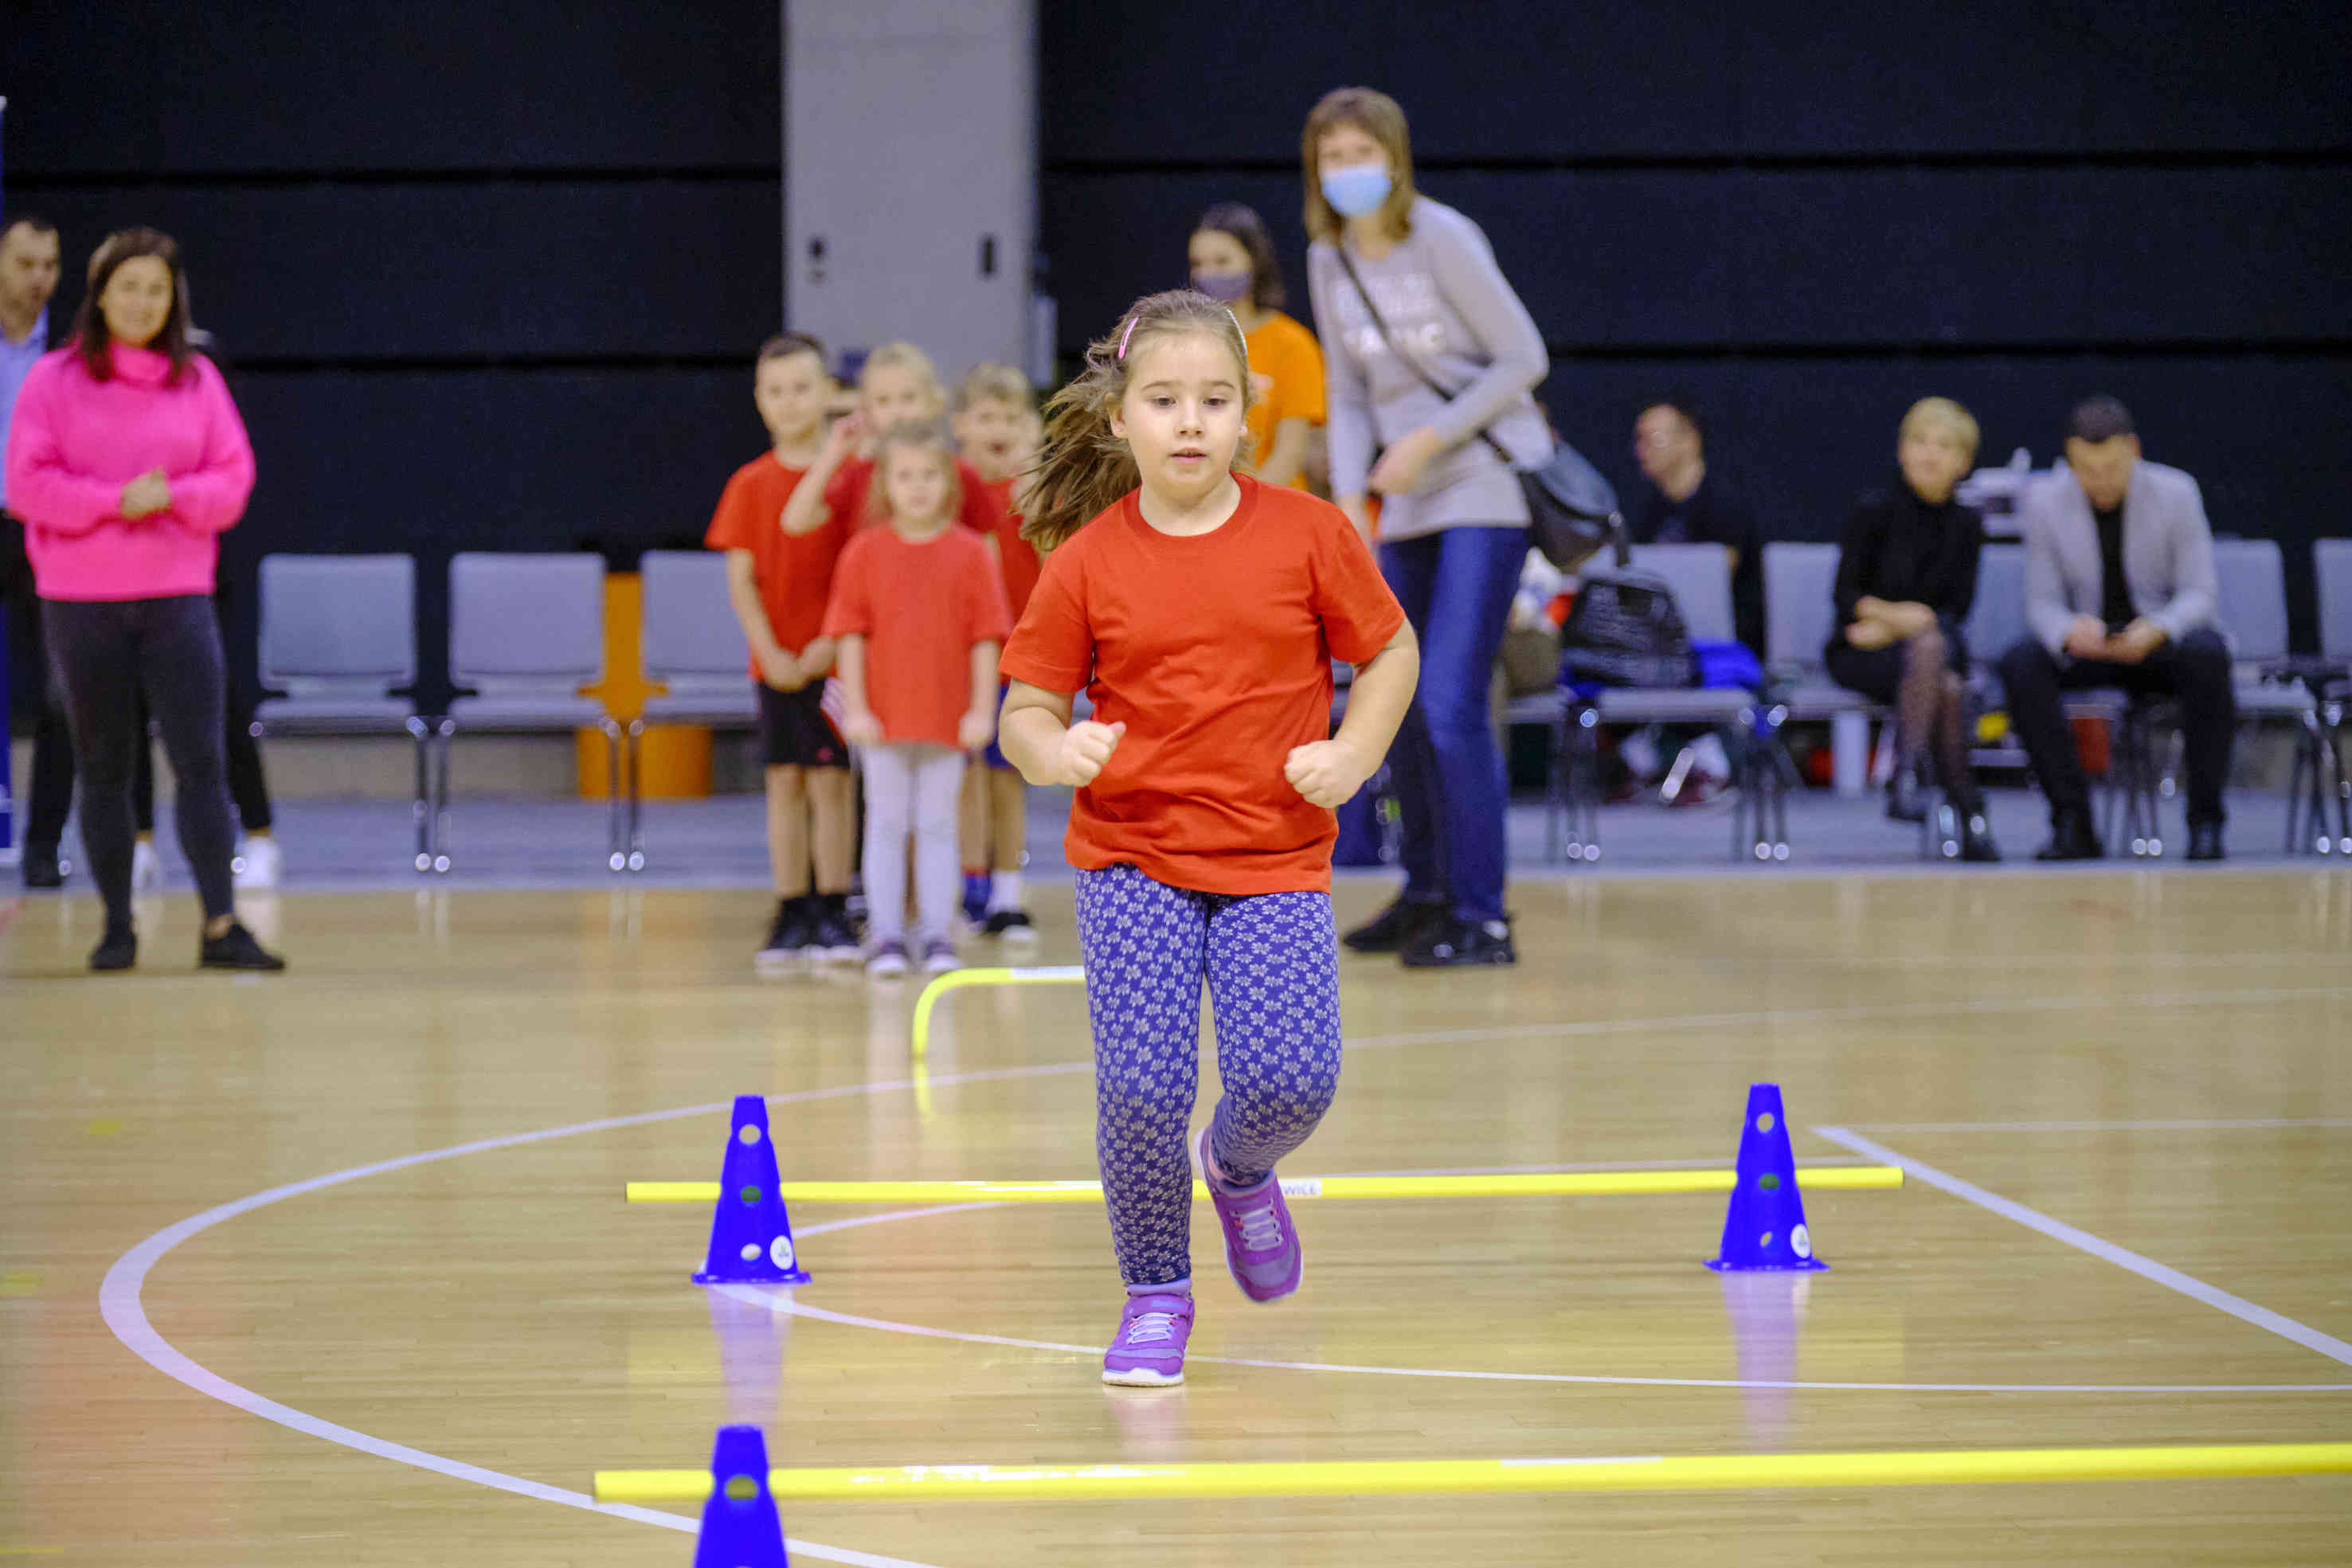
column 338, row 639
column 1798, row 616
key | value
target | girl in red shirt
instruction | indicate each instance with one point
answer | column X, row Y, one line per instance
column 917, row 612
column 1200, row 611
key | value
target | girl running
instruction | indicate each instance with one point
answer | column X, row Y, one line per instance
column 917, row 610
column 1201, row 612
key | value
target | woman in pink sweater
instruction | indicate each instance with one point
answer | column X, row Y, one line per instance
column 127, row 462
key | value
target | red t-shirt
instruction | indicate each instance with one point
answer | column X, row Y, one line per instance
column 794, row 571
column 1017, row 555
column 1216, row 651
column 920, row 608
column 846, row 496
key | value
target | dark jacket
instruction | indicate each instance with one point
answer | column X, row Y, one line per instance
column 1711, row 515
column 1898, row 548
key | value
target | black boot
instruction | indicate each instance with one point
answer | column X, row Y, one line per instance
column 2072, row 837
column 1976, row 839
column 2205, row 841
column 117, row 950
column 1393, row 929
column 42, row 867
column 1905, row 798
column 1454, row 943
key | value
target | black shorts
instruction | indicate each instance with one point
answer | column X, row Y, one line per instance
column 794, row 730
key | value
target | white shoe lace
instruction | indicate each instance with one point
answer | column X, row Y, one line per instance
column 1261, row 1232
column 1151, row 1328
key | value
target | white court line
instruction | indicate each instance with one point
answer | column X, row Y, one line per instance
column 2123, row 1258
column 2195, row 1125
column 121, row 1303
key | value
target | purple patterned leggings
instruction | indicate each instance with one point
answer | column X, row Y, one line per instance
column 1272, row 965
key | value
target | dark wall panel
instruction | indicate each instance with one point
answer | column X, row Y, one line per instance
column 564, row 268
column 1809, row 258
column 160, row 86
column 1535, row 80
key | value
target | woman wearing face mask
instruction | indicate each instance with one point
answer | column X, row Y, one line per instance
column 1407, row 294
column 128, row 461
column 1232, row 262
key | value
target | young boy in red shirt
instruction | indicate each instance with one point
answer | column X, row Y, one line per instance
column 778, row 579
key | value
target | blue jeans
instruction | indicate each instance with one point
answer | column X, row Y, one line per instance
column 1456, row 586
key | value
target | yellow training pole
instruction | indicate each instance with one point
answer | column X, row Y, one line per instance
column 1030, row 1483
column 1539, row 1184
column 957, row 979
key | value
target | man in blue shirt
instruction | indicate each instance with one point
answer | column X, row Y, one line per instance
column 29, row 277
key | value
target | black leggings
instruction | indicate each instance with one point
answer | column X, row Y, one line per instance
column 107, row 657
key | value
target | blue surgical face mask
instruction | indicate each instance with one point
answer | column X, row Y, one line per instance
column 1358, row 191
column 1224, row 288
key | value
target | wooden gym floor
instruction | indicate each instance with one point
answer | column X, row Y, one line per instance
column 423, row 1362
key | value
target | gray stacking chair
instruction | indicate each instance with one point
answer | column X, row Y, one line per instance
column 1700, row 576
column 2251, row 577
column 2331, row 678
column 339, row 637
column 690, row 641
column 1996, row 621
column 526, row 633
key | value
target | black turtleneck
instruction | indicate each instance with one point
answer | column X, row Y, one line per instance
column 1898, row 548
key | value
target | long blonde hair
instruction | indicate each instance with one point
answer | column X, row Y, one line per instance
column 1082, row 468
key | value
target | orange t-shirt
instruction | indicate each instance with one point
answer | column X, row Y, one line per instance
column 920, row 608
column 846, row 496
column 1215, row 651
column 794, row 571
column 1287, row 351
column 1017, row 555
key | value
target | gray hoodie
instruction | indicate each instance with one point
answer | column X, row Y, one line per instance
column 1446, row 304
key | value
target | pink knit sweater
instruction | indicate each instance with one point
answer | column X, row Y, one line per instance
column 74, row 443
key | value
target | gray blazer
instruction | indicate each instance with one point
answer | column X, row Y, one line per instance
column 2168, row 554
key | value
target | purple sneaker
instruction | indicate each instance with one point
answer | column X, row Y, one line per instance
column 1152, row 1331
column 1261, row 1249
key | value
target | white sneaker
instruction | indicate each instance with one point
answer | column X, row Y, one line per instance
column 146, row 867
column 257, row 863
column 940, row 958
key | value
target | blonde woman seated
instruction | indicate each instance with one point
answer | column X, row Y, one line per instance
column 1907, row 575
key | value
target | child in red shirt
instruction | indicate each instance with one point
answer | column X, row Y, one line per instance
column 1200, row 611
column 779, row 581
column 897, row 383
column 996, row 430
column 918, row 614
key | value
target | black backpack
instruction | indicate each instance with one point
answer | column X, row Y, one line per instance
column 1625, row 629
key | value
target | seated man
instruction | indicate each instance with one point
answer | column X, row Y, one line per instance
column 2120, row 592
column 1685, row 503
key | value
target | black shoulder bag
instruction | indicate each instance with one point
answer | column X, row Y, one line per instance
column 1571, row 509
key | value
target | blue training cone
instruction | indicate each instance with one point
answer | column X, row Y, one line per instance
column 739, row 1527
column 750, row 1234
column 1765, row 1225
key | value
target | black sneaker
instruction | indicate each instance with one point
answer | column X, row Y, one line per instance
column 1454, row 943
column 788, row 937
column 1013, row 924
column 43, row 869
column 119, row 949
column 1395, row 928
column 234, row 949
column 831, row 936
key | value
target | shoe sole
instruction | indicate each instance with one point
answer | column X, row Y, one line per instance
column 1142, row 1377
column 1021, row 936
column 1497, row 961
column 834, row 955
column 775, row 957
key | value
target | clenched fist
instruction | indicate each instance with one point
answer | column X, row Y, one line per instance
column 1085, row 747
column 976, row 729
column 860, row 727
column 1326, row 772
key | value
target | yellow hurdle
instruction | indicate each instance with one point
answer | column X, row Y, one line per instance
column 1542, row 1184
column 957, row 979
column 1030, row 1483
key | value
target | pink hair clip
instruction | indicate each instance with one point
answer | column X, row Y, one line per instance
column 1126, row 336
